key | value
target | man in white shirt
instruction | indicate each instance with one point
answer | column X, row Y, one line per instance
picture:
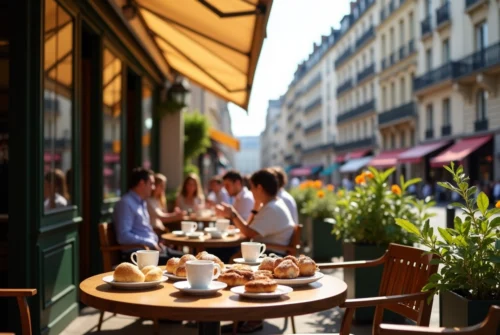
column 217, row 193
column 284, row 195
column 243, row 199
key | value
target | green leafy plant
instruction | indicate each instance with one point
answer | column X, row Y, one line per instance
column 366, row 214
column 321, row 205
column 302, row 194
column 190, row 168
column 469, row 253
column 196, row 138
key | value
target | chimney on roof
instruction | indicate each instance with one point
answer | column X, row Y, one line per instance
column 315, row 47
column 324, row 39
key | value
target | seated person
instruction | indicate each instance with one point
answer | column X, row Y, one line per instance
column 157, row 206
column 243, row 201
column 218, row 193
column 190, row 197
column 284, row 195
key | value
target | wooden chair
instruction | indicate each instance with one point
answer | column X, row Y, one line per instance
column 20, row 294
column 489, row 326
column 406, row 271
column 111, row 254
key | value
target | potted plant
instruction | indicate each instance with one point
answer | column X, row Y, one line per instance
column 364, row 219
column 302, row 195
column 469, row 255
column 318, row 208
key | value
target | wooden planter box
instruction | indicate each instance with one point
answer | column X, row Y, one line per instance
column 324, row 244
column 457, row 311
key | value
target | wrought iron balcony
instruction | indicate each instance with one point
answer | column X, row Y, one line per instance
column 443, row 14
column 471, row 3
column 429, row 133
column 392, row 7
column 446, row 130
column 402, row 52
column 384, row 63
column 355, row 112
column 398, row 113
column 447, row 71
column 289, row 117
column 313, row 105
column 426, row 26
column 382, row 14
column 411, row 46
column 289, row 136
column 342, row 58
column 481, row 125
column 289, row 157
column 316, row 148
column 297, row 146
column 347, row 85
column 480, row 60
column 313, row 127
column 368, row 71
column 370, row 33
column 367, row 142
column 392, row 59
column 316, row 80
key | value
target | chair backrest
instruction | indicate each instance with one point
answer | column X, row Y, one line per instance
column 489, row 326
column 20, row 294
column 107, row 238
column 406, row 270
column 296, row 242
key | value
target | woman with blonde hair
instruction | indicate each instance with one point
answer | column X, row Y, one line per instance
column 190, row 198
column 55, row 190
column 157, row 206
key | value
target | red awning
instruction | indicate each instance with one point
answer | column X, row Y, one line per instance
column 414, row 155
column 459, row 150
column 50, row 157
column 357, row 154
column 111, row 158
column 301, row 172
column 340, row 158
column 386, row 159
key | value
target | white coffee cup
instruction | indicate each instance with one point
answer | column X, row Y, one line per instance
column 200, row 273
column 188, row 226
column 251, row 251
column 145, row 257
column 222, row 224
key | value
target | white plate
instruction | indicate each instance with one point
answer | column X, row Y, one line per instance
column 300, row 280
column 173, row 277
column 242, row 261
column 232, row 232
column 195, row 234
column 133, row 286
column 178, row 233
column 214, row 286
column 280, row 290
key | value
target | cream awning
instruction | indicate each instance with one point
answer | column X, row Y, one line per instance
column 224, row 138
column 216, row 44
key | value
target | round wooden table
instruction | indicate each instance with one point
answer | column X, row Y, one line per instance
column 166, row 302
column 204, row 219
column 201, row 244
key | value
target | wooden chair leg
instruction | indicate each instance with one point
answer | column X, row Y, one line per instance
column 100, row 321
column 156, row 327
column 345, row 328
column 235, row 327
column 293, row 325
column 24, row 310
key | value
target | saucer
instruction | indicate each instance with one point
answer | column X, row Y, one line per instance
column 280, row 290
column 173, row 277
column 133, row 285
column 300, row 280
column 214, row 286
column 232, row 232
column 195, row 234
column 243, row 261
column 178, row 233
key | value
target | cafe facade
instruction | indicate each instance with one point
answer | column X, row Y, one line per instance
column 81, row 83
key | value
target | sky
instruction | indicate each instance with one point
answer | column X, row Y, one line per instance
column 293, row 27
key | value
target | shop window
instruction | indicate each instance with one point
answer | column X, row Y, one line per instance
column 446, row 51
column 57, row 107
column 112, row 125
column 446, row 112
column 429, row 118
column 481, row 36
column 481, row 105
column 147, row 123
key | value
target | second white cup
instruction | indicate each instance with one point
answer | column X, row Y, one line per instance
column 251, row 251
column 143, row 258
column 200, row 273
column 222, row 224
column 188, row 226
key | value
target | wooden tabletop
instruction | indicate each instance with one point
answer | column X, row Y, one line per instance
column 205, row 242
column 204, row 219
column 165, row 301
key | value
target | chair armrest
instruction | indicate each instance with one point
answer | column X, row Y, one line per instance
column 124, row 247
column 385, row 300
column 17, row 292
column 386, row 329
column 355, row 264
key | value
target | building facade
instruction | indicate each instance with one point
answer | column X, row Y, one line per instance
column 272, row 138
column 247, row 160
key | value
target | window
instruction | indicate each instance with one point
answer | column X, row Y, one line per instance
column 112, row 110
column 372, row 55
column 363, row 95
column 383, row 47
column 147, row 123
column 391, row 40
column 429, row 122
column 393, row 95
column 403, row 139
column 446, row 112
column 412, row 137
column 481, row 36
column 328, row 91
column 403, row 91
column 401, row 33
column 446, row 51
column 365, row 129
column 412, row 26
column 428, row 7
column 57, row 108
column 384, row 98
column 373, row 90
column 481, row 105
column 428, row 59
column 393, row 141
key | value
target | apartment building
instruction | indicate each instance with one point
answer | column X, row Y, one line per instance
column 272, row 139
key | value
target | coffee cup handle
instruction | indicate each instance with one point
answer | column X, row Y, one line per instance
column 217, row 271
column 263, row 250
column 195, row 226
column 132, row 258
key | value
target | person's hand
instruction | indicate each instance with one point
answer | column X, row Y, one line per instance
column 158, row 247
column 178, row 215
column 224, row 210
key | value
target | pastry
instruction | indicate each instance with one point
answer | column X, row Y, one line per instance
column 307, row 267
column 277, row 261
column 286, row 270
column 236, row 277
column 185, row 258
column 242, row 267
column 147, row 268
column 180, row 271
column 172, row 264
column 293, row 259
column 127, row 272
column 205, row 256
column 263, row 274
column 267, row 264
column 154, row 274
column 261, row 286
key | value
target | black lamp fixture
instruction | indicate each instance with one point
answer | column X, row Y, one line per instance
column 129, row 10
column 179, row 92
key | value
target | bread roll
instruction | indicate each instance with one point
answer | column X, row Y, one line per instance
column 172, row 264
column 261, row 286
column 205, row 256
column 236, row 277
column 154, row 274
column 181, row 271
column 260, row 274
column 185, row 258
column 267, row 264
column 307, row 267
column 293, row 259
column 286, row 270
column 148, row 268
column 277, row 261
column 127, row 272
column 241, row 267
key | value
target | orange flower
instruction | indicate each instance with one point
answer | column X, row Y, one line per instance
column 368, row 175
column 340, row 193
column 320, row 194
column 360, row 179
column 318, row 184
column 497, row 205
column 330, row 187
column 302, row 186
column 396, row 189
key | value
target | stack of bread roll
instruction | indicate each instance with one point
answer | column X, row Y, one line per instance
column 177, row 266
column 130, row 273
column 289, row 267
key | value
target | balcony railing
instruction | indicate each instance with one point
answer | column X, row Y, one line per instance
column 347, row 85
column 342, row 58
column 289, row 157
column 481, row 125
column 398, row 113
column 480, row 60
column 355, row 112
column 382, row 15
column 365, row 37
column 402, row 52
column 411, row 46
column 447, row 71
column 289, row 136
column 313, row 127
column 443, row 14
column 429, row 133
column 472, row 3
column 426, row 25
column 368, row 71
column 316, row 80
column 367, row 142
column 446, row 130
column 316, row 148
column 313, row 105
column 297, row 146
